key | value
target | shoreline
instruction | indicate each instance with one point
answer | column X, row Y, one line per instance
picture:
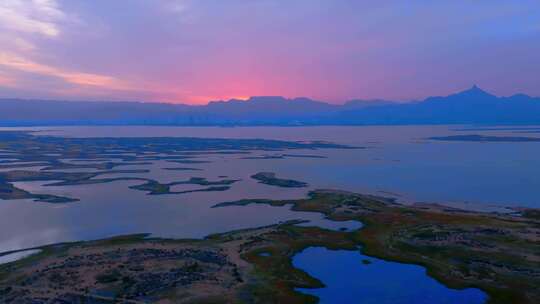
column 511, row 210
column 270, row 249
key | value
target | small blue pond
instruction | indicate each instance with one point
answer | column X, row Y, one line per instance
column 350, row 278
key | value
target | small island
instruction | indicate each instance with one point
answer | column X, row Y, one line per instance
column 153, row 187
column 182, row 169
column 484, row 138
column 283, row 156
column 269, row 178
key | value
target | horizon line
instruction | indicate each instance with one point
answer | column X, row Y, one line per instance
column 247, row 99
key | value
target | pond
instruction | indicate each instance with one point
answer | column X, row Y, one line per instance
column 351, row 277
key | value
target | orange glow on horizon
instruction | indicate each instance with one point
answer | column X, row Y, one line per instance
column 202, row 100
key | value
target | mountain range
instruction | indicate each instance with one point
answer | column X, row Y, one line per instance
column 472, row 106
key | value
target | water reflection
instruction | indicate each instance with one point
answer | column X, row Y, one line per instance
column 110, row 209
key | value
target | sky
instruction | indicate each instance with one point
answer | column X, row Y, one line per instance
column 194, row 51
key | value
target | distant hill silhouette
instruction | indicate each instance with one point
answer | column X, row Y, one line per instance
column 472, row 106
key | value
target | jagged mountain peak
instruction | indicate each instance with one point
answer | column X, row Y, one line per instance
column 475, row 91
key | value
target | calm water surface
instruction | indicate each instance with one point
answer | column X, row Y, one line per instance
column 398, row 159
column 349, row 280
column 397, row 162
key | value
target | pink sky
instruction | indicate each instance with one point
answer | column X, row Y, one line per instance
column 193, row 51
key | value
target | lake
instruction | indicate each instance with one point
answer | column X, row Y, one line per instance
column 397, row 159
column 396, row 162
